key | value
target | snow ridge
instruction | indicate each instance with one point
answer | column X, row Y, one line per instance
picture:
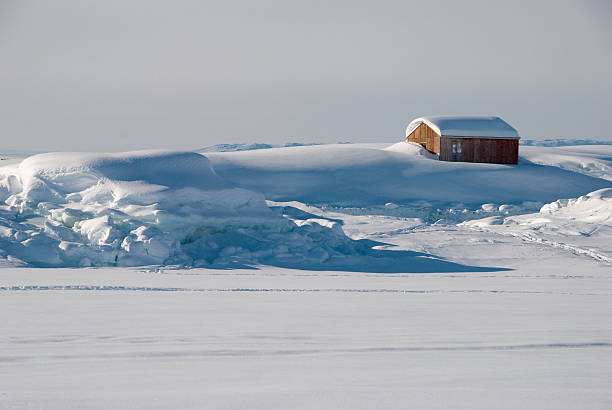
column 147, row 207
column 273, row 206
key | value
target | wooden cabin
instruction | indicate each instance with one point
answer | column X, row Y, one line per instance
column 466, row 139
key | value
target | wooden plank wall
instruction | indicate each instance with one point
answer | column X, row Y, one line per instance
column 427, row 137
column 493, row 150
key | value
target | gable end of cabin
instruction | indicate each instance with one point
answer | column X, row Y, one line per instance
column 428, row 138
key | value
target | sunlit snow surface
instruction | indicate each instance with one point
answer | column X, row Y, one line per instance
column 149, row 207
column 174, row 208
column 352, row 276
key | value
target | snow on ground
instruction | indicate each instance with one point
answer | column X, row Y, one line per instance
column 538, row 336
column 153, row 207
column 562, row 142
column 249, row 147
column 582, row 225
column 448, row 286
column 187, row 209
column 590, row 160
column 367, row 174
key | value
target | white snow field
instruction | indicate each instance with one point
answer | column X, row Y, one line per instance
column 351, row 276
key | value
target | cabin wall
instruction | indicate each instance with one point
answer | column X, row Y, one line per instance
column 427, row 137
column 493, row 150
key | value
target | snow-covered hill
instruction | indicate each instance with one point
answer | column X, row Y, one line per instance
column 374, row 174
column 190, row 209
column 149, row 207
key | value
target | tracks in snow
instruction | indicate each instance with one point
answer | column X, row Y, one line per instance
column 193, row 353
column 531, row 238
column 111, row 288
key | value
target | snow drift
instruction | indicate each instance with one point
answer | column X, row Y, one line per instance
column 189, row 209
column 148, row 207
column 592, row 160
column 581, row 225
column 368, row 175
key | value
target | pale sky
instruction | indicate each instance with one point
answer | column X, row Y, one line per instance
column 118, row 75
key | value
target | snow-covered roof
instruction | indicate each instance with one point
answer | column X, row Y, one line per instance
column 466, row 126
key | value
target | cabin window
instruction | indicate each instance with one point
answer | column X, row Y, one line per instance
column 456, row 146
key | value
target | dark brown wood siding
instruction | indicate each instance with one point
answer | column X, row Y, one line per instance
column 426, row 137
column 493, row 150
